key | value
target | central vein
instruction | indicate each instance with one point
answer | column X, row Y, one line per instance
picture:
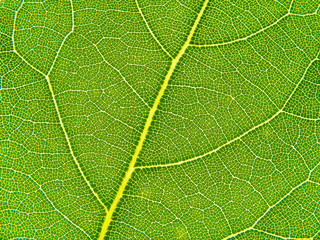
column 144, row 133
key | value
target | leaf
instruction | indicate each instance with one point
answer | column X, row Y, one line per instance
column 159, row 119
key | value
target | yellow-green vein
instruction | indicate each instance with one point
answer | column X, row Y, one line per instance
column 147, row 125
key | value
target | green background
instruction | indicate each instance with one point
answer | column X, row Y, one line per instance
column 233, row 150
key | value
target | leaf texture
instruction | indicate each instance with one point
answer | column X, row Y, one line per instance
column 159, row 119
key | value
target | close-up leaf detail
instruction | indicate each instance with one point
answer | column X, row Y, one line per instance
column 159, row 119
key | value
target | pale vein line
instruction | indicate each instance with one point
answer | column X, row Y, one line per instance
column 27, row 120
column 51, row 203
column 255, row 33
column 55, row 102
column 243, row 134
column 244, row 38
column 145, row 21
column 278, row 236
column 316, row 234
column 306, row 14
column 152, row 112
column 214, row 150
column 60, row 118
column 298, row 116
column 64, row 39
column 291, row 4
column 5, row 34
column 70, row 147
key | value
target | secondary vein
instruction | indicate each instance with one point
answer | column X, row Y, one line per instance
column 248, row 131
column 144, row 133
column 46, row 76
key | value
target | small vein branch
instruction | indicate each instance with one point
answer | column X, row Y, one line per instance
column 145, row 21
column 117, row 70
column 244, row 38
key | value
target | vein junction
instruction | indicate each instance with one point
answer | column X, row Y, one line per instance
column 144, row 133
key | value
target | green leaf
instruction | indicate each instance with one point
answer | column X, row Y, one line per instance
column 159, row 119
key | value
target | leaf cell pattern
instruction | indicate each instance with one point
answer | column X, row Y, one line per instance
column 167, row 119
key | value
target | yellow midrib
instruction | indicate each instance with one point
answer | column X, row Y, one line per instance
column 144, row 133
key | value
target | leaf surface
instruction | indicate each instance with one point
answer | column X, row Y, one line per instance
column 189, row 119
